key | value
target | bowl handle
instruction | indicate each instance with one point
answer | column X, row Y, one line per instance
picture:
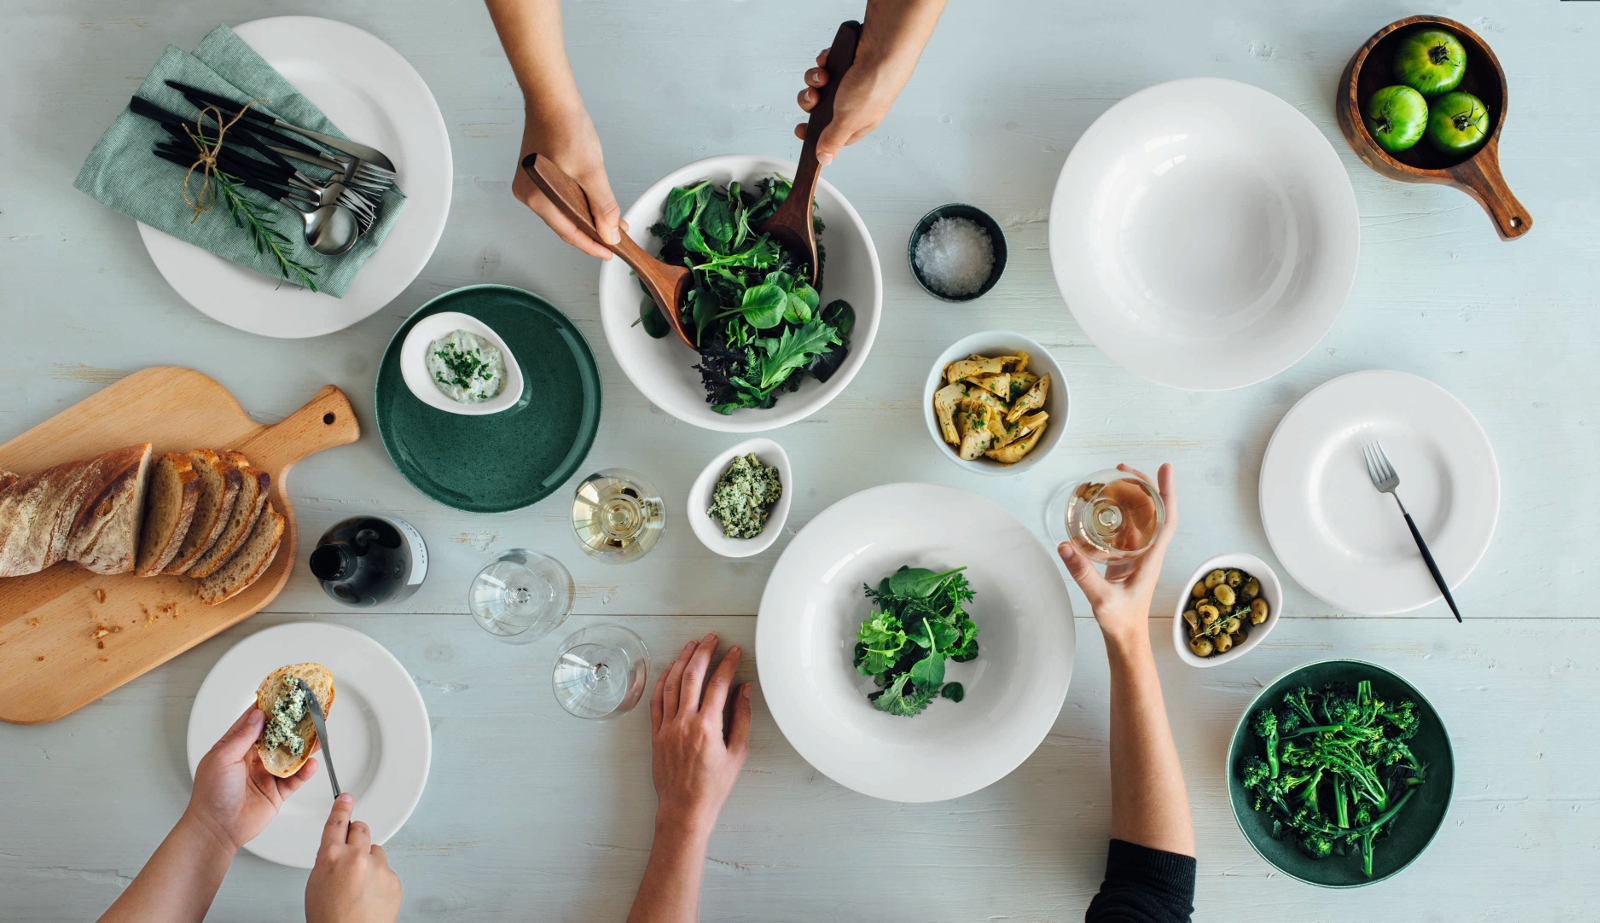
column 1480, row 177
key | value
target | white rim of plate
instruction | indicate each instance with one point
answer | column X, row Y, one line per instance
column 377, row 75
column 369, row 682
column 1401, row 410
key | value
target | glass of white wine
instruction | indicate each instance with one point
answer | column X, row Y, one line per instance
column 618, row 515
column 1111, row 517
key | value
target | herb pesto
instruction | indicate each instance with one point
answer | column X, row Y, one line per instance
column 744, row 496
column 284, row 722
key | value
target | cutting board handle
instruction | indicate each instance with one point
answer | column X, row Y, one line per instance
column 325, row 421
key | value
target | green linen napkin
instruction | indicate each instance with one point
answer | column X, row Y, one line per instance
column 122, row 172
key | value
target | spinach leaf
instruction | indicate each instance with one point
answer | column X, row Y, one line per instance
column 703, row 309
column 716, row 221
column 763, row 306
column 955, row 692
column 650, row 317
column 918, row 582
column 928, row 673
column 681, row 203
column 841, row 316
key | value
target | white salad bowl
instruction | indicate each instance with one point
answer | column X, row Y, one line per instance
column 414, row 364
column 813, row 606
column 1271, row 591
column 1204, row 234
column 706, row 529
column 1057, row 402
column 663, row 370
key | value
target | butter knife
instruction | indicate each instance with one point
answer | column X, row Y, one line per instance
column 314, row 709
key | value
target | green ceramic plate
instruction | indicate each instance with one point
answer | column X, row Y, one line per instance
column 1413, row 829
column 508, row 460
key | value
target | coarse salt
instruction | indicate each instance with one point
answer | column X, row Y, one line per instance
column 955, row 256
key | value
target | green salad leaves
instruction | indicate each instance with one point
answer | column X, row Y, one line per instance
column 916, row 625
column 758, row 323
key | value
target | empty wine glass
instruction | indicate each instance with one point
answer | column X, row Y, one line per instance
column 618, row 515
column 521, row 597
column 600, row 672
column 1111, row 516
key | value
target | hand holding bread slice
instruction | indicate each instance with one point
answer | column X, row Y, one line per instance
column 287, row 737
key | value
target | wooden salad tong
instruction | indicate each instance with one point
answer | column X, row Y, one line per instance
column 790, row 226
column 667, row 284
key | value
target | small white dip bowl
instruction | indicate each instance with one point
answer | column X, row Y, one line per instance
column 1271, row 591
column 709, row 531
column 1057, row 402
column 414, row 364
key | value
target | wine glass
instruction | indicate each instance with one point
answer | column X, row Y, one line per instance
column 600, row 672
column 521, row 596
column 618, row 515
column 1111, row 516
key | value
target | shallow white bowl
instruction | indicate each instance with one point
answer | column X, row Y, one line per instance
column 1000, row 343
column 663, row 370
column 1271, row 591
column 414, row 364
column 767, row 452
column 813, row 606
column 1204, row 234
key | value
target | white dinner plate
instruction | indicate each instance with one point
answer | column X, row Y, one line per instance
column 1204, row 234
column 381, row 741
column 1342, row 539
column 813, row 606
column 376, row 97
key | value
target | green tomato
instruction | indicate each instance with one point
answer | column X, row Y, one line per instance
column 1430, row 61
column 1458, row 123
column 1396, row 117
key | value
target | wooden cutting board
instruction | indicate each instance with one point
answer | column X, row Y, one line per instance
column 50, row 662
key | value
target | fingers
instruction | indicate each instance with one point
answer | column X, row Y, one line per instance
column 832, row 140
column 603, row 208
column 720, row 682
column 807, row 99
column 289, row 786
column 236, row 743
column 1169, row 499
column 739, row 730
column 336, row 831
column 822, row 59
column 360, row 835
column 655, row 703
column 565, row 229
column 674, row 679
column 816, row 77
column 1083, row 573
column 381, row 855
column 694, row 674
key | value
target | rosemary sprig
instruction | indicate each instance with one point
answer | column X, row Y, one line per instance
column 250, row 216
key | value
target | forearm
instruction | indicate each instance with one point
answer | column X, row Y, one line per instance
column 894, row 33
column 530, row 32
column 670, row 891
column 1149, row 803
column 180, row 880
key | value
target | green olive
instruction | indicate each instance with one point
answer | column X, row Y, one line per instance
column 1250, row 590
column 1201, row 646
column 1258, row 611
column 1199, row 590
column 1214, row 578
column 1224, row 595
column 1223, row 642
column 1230, row 626
column 1234, row 578
column 1193, row 618
column 1208, row 613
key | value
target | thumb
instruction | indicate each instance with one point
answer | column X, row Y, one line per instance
column 335, row 831
column 241, row 737
column 832, row 140
column 1083, row 573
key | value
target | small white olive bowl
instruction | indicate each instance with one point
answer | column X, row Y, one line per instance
column 414, row 364
column 1057, row 403
column 706, row 529
column 1271, row 591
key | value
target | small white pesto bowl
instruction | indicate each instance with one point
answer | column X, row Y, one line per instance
column 1271, row 591
column 414, row 364
column 709, row 532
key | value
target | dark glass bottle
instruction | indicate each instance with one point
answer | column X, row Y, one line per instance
column 370, row 560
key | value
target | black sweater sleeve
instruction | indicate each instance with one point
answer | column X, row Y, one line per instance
column 1144, row 885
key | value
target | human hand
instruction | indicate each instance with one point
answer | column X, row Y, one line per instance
column 1123, row 609
column 352, row 881
column 694, row 756
column 569, row 140
column 234, row 797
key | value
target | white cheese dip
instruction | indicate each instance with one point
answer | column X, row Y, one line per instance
column 466, row 367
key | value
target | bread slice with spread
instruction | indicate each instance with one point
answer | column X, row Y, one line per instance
column 288, row 737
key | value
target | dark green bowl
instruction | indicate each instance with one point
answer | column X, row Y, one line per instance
column 978, row 216
column 1412, row 830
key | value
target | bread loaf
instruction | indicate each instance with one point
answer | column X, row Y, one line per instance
column 170, row 498
column 288, row 737
column 86, row 511
column 248, row 563
column 219, row 491
column 246, row 510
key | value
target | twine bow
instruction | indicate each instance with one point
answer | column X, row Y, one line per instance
column 206, row 160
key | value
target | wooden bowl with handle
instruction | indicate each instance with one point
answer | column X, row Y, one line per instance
column 1478, row 173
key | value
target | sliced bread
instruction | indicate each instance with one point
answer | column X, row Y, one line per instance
column 219, row 491
column 246, row 510
column 288, row 737
column 248, row 563
column 170, row 497
column 86, row 511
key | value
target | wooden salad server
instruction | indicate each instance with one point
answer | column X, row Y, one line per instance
column 790, row 226
column 667, row 284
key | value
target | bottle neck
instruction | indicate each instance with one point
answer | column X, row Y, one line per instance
column 333, row 561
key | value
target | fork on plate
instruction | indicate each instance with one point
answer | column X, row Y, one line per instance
column 1386, row 480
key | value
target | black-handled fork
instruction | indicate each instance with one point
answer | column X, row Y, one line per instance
column 1386, row 480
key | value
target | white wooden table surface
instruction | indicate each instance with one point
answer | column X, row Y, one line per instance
column 530, row 814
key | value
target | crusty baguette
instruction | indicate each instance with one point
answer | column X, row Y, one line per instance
column 170, row 497
column 249, row 563
column 281, row 761
column 219, row 491
column 246, row 510
column 86, row 511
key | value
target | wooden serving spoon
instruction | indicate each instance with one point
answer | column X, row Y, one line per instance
column 790, row 226
column 667, row 284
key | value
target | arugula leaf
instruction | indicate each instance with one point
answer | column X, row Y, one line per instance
column 792, row 350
